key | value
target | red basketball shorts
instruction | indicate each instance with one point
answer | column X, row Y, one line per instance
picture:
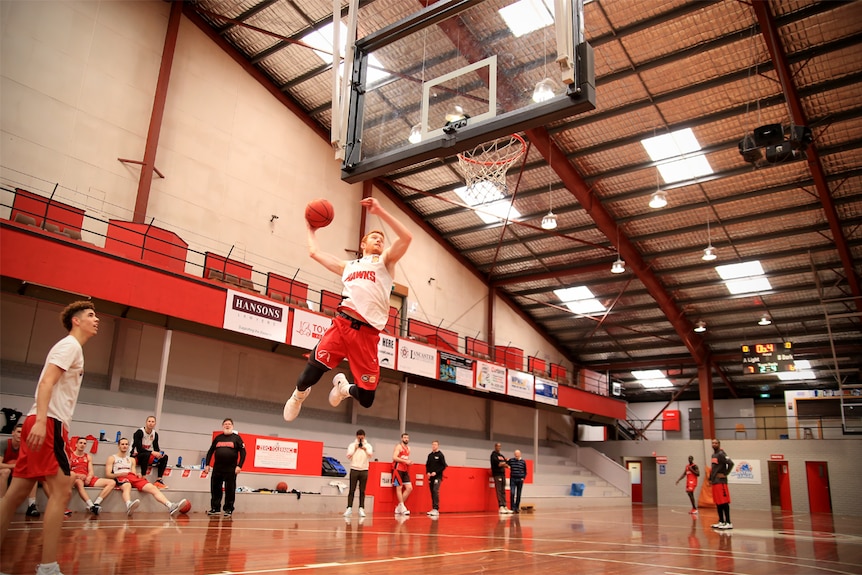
column 720, row 493
column 359, row 346
column 51, row 457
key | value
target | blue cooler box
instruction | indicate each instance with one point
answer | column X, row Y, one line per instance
column 577, row 489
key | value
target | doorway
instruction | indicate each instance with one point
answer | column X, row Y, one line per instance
column 779, row 485
column 819, row 500
column 636, row 474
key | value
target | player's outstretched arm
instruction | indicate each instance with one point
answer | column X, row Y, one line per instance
column 403, row 237
column 329, row 261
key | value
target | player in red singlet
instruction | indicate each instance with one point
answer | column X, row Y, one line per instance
column 691, row 474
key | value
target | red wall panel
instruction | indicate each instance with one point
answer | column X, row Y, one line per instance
column 86, row 269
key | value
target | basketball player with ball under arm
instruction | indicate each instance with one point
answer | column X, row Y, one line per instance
column 362, row 314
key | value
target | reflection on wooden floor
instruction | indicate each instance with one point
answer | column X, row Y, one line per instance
column 595, row 540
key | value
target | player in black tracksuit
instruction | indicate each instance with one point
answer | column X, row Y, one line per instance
column 229, row 451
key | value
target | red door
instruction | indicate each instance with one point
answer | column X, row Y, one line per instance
column 634, row 468
column 818, row 487
column 784, row 486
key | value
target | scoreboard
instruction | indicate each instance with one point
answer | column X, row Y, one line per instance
column 767, row 358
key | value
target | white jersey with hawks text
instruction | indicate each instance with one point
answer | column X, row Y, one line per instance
column 367, row 284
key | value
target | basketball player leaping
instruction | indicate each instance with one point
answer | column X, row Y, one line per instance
column 361, row 316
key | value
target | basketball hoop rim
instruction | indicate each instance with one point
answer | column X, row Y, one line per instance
column 502, row 162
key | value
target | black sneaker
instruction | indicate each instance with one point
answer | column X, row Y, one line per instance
column 95, row 509
column 213, row 513
column 228, row 514
column 33, row 511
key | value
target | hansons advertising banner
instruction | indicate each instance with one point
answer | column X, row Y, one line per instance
column 250, row 315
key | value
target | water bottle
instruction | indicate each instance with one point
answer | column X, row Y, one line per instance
column 102, row 435
column 203, row 462
column 180, row 461
column 119, row 436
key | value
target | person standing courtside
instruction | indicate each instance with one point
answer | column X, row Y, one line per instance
column 434, row 467
column 517, row 475
column 146, row 451
column 718, row 472
column 44, row 453
column 362, row 314
column 401, row 474
column 229, row 451
column 498, row 472
column 358, row 453
column 691, row 474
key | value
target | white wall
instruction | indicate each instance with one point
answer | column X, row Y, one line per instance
column 842, row 458
column 727, row 412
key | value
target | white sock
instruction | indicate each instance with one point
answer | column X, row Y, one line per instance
column 98, row 500
column 31, row 501
column 128, row 504
column 89, row 502
column 168, row 504
column 48, row 568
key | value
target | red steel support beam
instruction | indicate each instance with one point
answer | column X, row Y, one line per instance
column 779, row 59
column 149, row 164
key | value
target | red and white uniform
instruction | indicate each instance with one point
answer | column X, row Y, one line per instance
column 367, row 285
column 80, row 465
column 403, row 453
column 690, row 478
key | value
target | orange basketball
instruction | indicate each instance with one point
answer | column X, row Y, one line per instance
column 319, row 213
column 185, row 507
column 281, row 487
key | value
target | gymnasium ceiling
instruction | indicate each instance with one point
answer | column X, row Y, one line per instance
column 720, row 68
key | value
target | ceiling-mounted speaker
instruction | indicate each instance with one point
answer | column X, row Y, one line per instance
column 779, row 153
column 800, row 137
column 749, row 152
column 768, row 135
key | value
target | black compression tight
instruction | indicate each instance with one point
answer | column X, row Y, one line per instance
column 310, row 375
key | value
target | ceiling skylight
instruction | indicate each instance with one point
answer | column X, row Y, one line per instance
column 490, row 202
column 741, row 270
column 526, row 16
column 745, row 277
column 321, row 41
column 652, row 378
column 673, row 145
column 580, row 300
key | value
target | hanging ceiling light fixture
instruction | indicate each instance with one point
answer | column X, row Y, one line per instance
column 709, row 251
column 618, row 266
column 764, row 320
column 415, row 134
column 700, row 326
column 545, row 90
column 658, row 200
column 659, row 197
column 549, row 222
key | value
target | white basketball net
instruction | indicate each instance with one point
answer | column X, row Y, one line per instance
column 485, row 167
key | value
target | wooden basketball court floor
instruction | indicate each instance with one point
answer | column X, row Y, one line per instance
column 640, row 540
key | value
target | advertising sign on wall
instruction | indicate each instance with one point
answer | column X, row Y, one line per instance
column 386, row 351
column 308, row 328
column 456, row 369
column 546, row 390
column 255, row 316
column 745, row 471
column 417, row 359
column 520, row 384
column 490, row 377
